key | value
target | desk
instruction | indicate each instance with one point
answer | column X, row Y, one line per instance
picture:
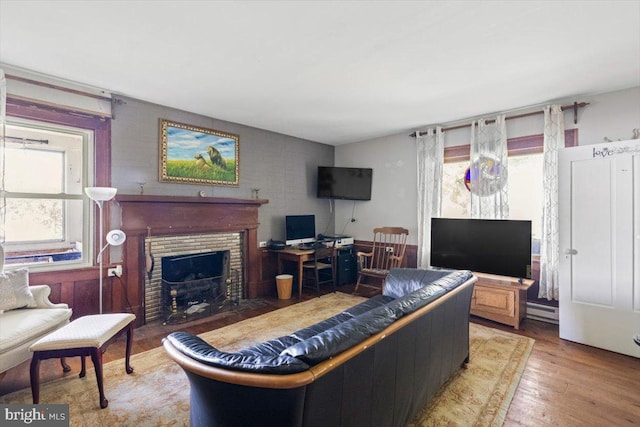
column 294, row 255
column 345, row 269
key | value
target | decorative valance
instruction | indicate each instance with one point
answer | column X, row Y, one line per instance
column 29, row 87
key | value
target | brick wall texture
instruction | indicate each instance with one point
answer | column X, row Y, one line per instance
column 162, row 246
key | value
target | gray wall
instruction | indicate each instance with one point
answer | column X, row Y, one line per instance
column 282, row 167
column 393, row 158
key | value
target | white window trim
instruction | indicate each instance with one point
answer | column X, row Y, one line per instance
column 88, row 141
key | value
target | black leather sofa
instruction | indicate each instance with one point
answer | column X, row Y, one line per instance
column 375, row 364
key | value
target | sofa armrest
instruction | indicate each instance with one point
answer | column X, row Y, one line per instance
column 198, row 349
column 41, row 297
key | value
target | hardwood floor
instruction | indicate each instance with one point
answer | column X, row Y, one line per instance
column 564, row 383
column 570, row 384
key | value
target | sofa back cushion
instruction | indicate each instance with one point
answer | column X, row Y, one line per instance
column 348, row 314
column 14, row 290
column 415, row 299
column 341, row 337
column 454, row 279
column 427, row 285
column 403, row 281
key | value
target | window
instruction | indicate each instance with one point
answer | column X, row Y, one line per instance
column 525, row 182
column 46, row 168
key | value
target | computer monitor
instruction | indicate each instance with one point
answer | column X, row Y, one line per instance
column 300, row 229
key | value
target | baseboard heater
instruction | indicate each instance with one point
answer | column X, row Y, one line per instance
column 544, row 313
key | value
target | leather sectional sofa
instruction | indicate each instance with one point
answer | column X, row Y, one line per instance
column 375, row 364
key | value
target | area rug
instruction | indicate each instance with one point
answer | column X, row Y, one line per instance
column 157, row 393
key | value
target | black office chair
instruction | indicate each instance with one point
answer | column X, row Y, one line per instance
column 321, row 269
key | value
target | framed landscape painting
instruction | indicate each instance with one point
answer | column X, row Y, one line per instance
column 194, row 155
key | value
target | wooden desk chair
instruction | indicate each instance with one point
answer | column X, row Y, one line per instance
column 320, row 270
column 387, row 252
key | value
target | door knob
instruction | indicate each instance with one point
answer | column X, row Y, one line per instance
column 571, row 252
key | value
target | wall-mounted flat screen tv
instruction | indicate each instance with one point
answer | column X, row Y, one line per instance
column 300, row 229
column 501, row 247
column 344, row 183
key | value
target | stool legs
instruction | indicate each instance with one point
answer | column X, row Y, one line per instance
column 34, row 371
column 127, row 356
column 83, row 368
column 96, row 358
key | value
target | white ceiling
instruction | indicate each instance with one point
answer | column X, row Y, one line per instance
column 332, row 71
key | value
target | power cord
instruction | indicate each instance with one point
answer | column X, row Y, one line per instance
column 124, row 290
column 326, row 229
column 352, row 219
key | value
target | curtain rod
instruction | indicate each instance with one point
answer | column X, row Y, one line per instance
column 573, row 106
column 27, row 140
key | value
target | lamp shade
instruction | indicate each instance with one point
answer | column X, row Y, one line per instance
column 116, row 237
column 101, row 194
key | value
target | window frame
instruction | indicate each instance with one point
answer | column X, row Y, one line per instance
column 87, row 140
column 530, row 144
column 18, row 108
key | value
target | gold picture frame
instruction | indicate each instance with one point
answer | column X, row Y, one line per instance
column 195, row 155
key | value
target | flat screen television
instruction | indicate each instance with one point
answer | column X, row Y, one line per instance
column 300, row 229
column 344, row 183
column 501, row 247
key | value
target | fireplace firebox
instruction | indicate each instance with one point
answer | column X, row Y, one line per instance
column 194, row 285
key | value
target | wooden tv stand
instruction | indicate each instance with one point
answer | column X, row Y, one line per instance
column 500, row 298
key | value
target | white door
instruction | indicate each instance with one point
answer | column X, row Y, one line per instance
column 599, row 207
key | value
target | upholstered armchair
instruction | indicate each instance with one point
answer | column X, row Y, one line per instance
column 26, row 315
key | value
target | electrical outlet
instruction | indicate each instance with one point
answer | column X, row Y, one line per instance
column 116, row 271
column 262, row 244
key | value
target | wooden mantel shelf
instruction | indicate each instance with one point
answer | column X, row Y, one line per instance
column 140, row 198
column 179, row 214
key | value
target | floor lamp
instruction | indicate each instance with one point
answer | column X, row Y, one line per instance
column 114, row 237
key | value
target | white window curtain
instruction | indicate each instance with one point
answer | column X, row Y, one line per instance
column 3, row 118
column 430, row 154
column 550, row 246
column 488, row 169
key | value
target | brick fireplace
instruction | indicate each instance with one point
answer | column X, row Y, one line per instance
column 184, row 225
column 164, row 247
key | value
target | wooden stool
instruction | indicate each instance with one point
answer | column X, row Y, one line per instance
column 86, row 336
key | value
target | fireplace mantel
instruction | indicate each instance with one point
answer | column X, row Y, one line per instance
column 140, row 198
column 175, row 215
